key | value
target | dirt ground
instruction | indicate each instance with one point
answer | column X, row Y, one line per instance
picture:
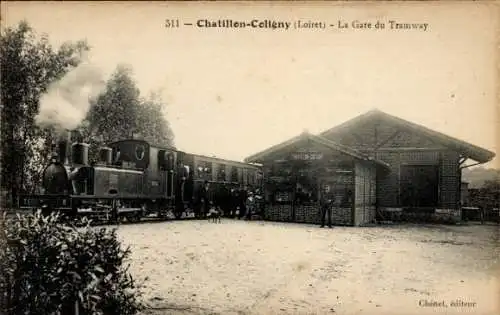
column 239, row 267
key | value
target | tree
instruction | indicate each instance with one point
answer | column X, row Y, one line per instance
column 477, row 176
column 113, row 115
column 119, row 112
column 151, row 121
column 28, row 65
column 490, row 193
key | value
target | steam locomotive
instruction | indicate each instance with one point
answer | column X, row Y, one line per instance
column 132, row 179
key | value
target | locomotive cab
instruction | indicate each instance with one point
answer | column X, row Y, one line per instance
column 133, row 153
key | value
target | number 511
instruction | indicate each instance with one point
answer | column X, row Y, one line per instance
column 171, row 23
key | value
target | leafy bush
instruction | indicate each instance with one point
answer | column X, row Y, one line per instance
column 50, row 268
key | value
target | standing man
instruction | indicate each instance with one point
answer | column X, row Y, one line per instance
column 234, row 201
column 222, row 199
column 205, row 199
column 114, row 211
column 326, row 204
column 243, row 195
column 250, row 205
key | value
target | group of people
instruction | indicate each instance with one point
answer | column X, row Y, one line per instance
column 234, row 202
column 242, row 202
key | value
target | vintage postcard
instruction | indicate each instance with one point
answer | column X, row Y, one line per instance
column 312, row 157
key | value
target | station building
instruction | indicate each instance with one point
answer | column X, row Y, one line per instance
column 378, row 167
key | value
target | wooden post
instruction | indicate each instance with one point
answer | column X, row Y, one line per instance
column 482, row 209
column 355, row 192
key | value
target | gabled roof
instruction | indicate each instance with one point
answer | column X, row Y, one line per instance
column 318, row 139
column 471, row 151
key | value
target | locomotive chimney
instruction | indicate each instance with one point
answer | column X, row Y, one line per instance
column 63, row 147
column 79, row 151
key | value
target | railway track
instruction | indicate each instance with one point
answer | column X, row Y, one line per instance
column 12, row 213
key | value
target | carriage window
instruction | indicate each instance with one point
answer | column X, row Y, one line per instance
column 221, row 172
column 234, row 174
column 200, row 171
column 258, row 178
column 204, row 170
column 241, row 175
column 249, row 177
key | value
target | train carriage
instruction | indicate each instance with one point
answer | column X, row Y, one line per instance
column 220, row 174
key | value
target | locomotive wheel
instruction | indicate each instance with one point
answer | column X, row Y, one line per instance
column 178, row 211
column 178, row 214
column 163, row 214
column 133, row 217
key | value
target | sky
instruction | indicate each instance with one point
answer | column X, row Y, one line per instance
column 232, row 92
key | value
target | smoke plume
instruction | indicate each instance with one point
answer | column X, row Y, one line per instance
column 67, row 101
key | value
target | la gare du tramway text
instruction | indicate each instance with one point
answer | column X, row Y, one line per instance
column 271, row 24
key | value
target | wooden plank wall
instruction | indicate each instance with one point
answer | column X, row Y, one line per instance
column 396, row 145
column 450, row 181
column 311, row 213
column 388, row 183
column 388, row 191
column 306, row 214
column 364, row 196
column 279, row 212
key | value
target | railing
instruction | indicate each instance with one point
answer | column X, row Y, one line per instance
column 35, row 201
